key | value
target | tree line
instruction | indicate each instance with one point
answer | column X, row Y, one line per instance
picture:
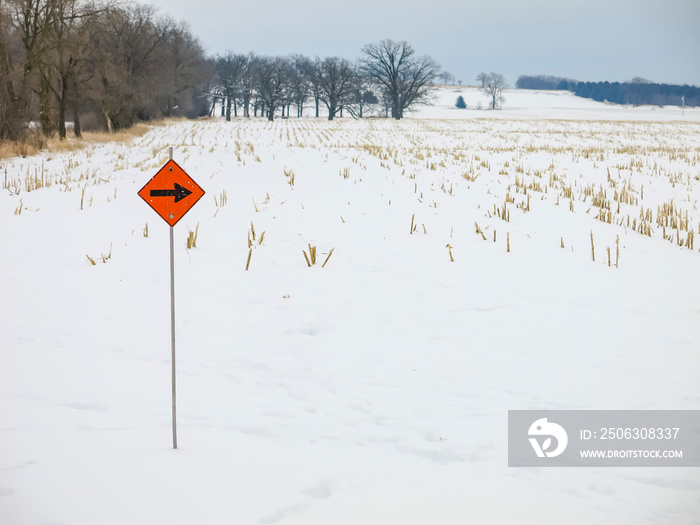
column 389, row 76
column 637, row 91
column 111, row 65
column 103, row 64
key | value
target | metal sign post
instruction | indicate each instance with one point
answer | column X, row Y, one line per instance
column 172, row 320
column 171, row 193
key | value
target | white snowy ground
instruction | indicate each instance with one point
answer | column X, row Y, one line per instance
column 373, row 390
column 526, row 104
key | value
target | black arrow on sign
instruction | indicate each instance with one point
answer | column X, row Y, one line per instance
column 178, row 192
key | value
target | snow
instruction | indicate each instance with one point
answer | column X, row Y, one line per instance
column 374, row 389
column 529, row 104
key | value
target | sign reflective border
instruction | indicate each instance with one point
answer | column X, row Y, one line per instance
column 171, row 192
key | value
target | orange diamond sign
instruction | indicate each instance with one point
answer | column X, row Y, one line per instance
column 171, row 192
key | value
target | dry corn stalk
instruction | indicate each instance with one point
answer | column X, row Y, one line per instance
column 329, row 256
column 290, row 177
column 311, row 257
column 192, row 238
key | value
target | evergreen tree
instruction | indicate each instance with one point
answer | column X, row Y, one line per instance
column 461, row 104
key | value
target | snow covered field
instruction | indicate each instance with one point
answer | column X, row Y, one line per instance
column 374, row 389
column 528, row 104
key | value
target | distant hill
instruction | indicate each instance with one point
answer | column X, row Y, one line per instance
column 637, row 91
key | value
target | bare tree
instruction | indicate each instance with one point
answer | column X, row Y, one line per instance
column 299, row 82
column 446, row 77
column 406, row 79
column 481, row 77
column 108, row 83
column 129, row 48
column 247, row 85
column 494, row 84
column 32, row 20
column 231, row 70
column 335, row 79
column 183, row 71
column 67, row 50
column 54, row 47
column 314, row 85
column 271, row 82
column 362, row 97
column 14, row 104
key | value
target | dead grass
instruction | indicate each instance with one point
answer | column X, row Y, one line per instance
column 36, row 142
column 30, row 147
column 125, row 135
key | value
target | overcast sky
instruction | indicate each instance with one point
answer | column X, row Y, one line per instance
column 592, row 40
